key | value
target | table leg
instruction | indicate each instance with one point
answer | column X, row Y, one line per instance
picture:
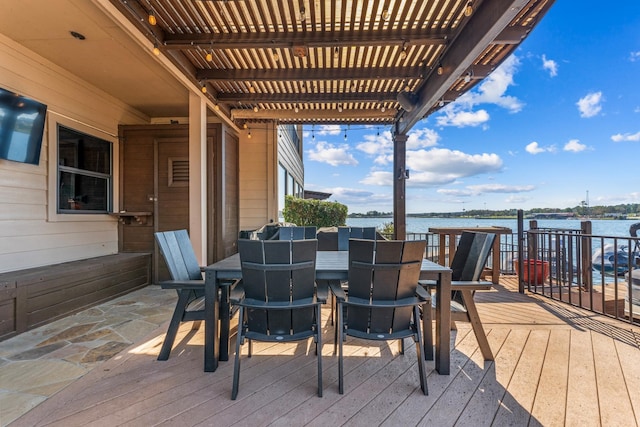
column 211, row 310
column 225, row 321
column 443, row 324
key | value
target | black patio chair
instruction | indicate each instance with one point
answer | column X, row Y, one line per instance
column 468, row 263
column 383, row 297
column 346, row 233
column 297, row 233
column 277, row 299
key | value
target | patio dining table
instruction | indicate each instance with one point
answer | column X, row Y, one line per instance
column 330, row 265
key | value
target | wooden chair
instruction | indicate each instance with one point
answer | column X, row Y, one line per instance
column 297, row 233
column 187, row 280
column 383, row 297
column 468, row 263
column 277, row 299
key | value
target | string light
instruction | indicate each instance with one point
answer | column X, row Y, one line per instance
column 209, row 56
column 156, row 49
column 204, row 88
column 385, row 15
column 216, row 107
column 249, row 134
column 275, row 56
column 251, row 88
column 255, row 109
column 303, row 14
column 467, row 78
column 152, row 18
column 403, row 53
column 468, row 10
column 345, row 134
column 440, row 69
column 339, row 108
column 336, row 52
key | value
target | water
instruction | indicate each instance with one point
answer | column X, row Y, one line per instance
column 619, row 228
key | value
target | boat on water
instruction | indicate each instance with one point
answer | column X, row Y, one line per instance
column 617, row 259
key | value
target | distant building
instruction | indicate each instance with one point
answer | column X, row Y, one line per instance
column 317, row 195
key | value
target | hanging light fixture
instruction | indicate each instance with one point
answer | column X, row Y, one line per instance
column 403, row 53
column 468, row 9
column 152, row 18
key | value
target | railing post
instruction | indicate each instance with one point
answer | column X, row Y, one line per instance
column 520, row 250
column 587, row 276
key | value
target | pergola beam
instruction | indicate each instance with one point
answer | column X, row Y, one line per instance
column 373, row 73
column 485, row 25
column 310, row 116
column 266, row 40
column 293, row 98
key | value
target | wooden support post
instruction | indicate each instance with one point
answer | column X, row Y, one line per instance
column 399, row 177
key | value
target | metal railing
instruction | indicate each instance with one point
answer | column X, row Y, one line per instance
column 592, row 272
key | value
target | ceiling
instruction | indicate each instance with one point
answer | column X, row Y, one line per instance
column 293, row 61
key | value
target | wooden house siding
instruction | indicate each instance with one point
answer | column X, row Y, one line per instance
column 32, row 234
column 258, row 181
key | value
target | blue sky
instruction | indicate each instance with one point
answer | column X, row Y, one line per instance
column 557, row 122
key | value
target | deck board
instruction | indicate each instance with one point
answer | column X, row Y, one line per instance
column 554, row 365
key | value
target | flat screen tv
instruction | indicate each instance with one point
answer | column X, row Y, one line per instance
column 21, row 127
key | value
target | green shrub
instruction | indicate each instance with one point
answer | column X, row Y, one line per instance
column 314, row 212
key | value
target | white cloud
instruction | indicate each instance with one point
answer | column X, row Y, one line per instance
column 491, row 91
column 517, row 199
column 635, row 137
column 329, row 130
column 331, row 154
column 378, row 178
column 500, row 188
column 589, row 105
column 455, row 193
column 575, row 146
column 550, row 65
column 635, row 56
column 535, row 148
column 380, row 145
column 460, row 119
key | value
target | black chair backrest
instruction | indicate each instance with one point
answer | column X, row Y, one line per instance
column 471, row 255
column 276, row 271
column 382, row 271
column 346, row 233
column 178, row 254
column 297, row 233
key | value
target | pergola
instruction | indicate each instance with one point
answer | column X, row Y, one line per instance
column 373, row 62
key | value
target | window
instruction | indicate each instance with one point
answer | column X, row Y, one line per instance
column 84, row 173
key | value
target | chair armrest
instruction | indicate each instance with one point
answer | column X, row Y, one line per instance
column 237, row 293
column 428, row 283
column 182, row 284
column 322, row 291
column 423, row 294
column 337, row 290
column 472, row 286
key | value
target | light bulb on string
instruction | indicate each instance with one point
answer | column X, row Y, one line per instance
column 152, row 18
column 156, row 49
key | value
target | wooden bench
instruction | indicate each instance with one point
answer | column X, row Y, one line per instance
column 36, row 296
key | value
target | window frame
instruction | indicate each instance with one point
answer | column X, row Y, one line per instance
column 53, row 213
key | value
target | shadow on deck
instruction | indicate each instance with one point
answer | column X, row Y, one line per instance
column 555, row 365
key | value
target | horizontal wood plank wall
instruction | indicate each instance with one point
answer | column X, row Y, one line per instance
column 31, row 233
column 33, row 297
column 257, row 180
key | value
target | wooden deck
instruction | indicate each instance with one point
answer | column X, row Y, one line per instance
column 555, row 365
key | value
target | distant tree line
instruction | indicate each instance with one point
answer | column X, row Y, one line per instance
column 582, row 210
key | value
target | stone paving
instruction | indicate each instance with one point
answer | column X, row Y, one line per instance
column 38, row 363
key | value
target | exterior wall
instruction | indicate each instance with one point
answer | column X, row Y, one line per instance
column 31, row 233
column 258, row 184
